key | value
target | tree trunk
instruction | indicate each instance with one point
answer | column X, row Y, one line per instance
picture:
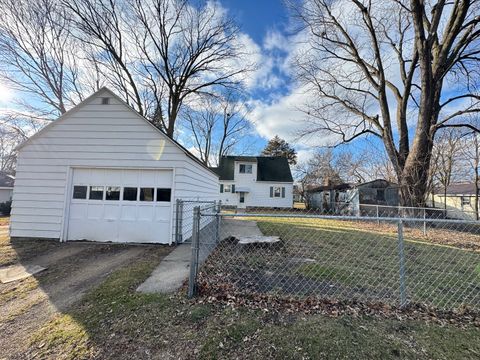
column 414, row 176
column 172, row 116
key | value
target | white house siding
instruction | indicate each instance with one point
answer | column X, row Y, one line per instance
column 101, row 136
column 259, row 195
column 455, row 208
column 5, row 194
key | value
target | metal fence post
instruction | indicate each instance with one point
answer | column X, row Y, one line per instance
column 218, row 218
column 192, row 281
column 177, row 220
column 180, row 221
column 424, row 222
column 378, row 217
column 401, row 258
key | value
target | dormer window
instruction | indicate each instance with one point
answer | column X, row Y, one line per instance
column 246, row 168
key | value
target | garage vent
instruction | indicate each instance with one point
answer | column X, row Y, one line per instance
column 105, row 101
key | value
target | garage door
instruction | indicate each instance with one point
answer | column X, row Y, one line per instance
column 121, row 205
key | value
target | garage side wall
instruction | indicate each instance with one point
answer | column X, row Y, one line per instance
column 96, row 135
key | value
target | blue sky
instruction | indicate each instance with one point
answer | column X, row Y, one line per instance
column 258, row 17
column 273, row 95
column 266, row 22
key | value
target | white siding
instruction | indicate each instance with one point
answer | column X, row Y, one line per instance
column 259, row 195
column 94, row 135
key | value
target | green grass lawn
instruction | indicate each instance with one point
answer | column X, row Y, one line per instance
column 113, row 321
column 352, row 260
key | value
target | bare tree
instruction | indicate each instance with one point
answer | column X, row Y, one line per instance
column 14, row 129
column 470, row 154
column 447, row 153
column 39, row 58
column 353, row 167
column 379, row 68
column 162, row 51
column 218, row 127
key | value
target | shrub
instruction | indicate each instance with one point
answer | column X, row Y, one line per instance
column 5, row 208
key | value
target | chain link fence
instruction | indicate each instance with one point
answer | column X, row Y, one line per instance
column 300, row 254
column 183, row 221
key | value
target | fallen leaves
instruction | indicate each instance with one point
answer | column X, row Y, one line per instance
column 335, row 308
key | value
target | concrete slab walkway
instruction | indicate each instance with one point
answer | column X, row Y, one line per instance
column 174, row 269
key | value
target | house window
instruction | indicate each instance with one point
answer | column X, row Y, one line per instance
column 164, row 195
column 242, row 197
column 105, row 101
column 277, row 191
column 96, row 193
column 465, row 200
column 227, row 188
column 245, row 168
column 146, row 194
column 80, row 192
column 112, row 193
column 130, row 194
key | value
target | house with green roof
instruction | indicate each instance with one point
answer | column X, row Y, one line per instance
column 255, row 181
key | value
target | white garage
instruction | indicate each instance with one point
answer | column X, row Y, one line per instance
column 102, row 172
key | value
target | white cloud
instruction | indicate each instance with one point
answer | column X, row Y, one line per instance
column 284, row 117
column 275, row 40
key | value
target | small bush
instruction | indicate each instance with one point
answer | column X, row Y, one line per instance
column 5, row 208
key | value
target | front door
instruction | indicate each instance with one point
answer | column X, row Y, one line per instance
column 242, row 199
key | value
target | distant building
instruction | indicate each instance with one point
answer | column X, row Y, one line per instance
column 6, row 187
column 458, row 199
column 354, row 199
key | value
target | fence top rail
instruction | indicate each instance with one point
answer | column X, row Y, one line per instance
column 399, row 207
column 342, row 217
column 198, row 201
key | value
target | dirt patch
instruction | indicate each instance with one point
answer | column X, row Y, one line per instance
column 4, row 220
column 73, row 270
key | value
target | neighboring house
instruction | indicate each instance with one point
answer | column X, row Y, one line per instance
column 297, row 193
column 459, row 200
column 6, row 187
column 354, row 198
column 102, row 172
column 255, row 181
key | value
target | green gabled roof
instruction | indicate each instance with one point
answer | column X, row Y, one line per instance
column 269, row 168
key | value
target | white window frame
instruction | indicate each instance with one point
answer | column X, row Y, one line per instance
column 245, row 167
column 227, row 188
column 465, row 200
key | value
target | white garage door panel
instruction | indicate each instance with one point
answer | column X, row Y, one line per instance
column 120, row 220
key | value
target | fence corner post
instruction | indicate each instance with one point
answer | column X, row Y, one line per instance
column 192, row 280
column 401, row 258
column 218, row 218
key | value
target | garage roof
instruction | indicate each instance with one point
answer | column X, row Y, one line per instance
column 269, row 168
column 110, row 92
